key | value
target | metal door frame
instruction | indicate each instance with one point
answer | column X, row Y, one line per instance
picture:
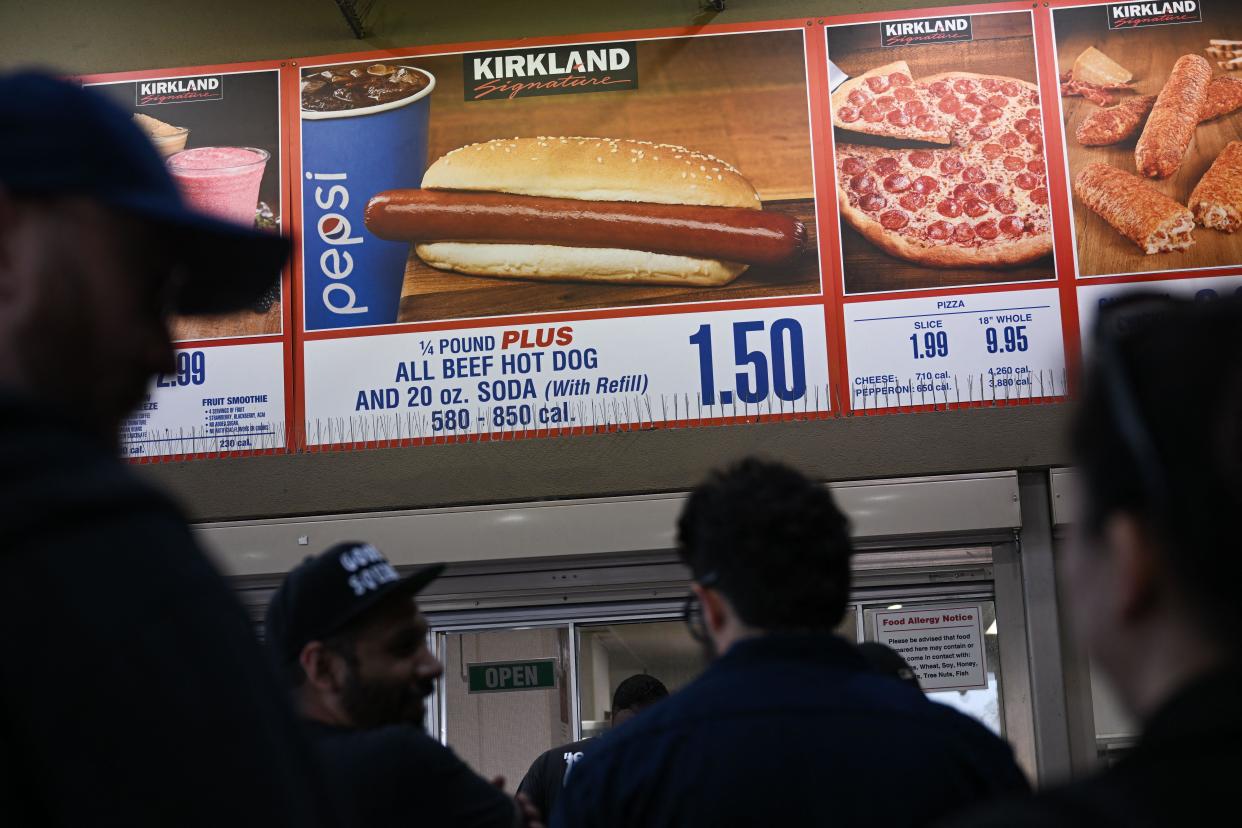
column 1000, row 581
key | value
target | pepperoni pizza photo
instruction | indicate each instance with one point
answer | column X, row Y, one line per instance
column 939, row 151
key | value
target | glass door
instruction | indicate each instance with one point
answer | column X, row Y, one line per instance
column 519, row 682
column 610, row 652
column 506, row 697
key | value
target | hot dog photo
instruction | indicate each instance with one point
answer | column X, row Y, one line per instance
column 572, row 177
column 1151, row 95
column 939, row 152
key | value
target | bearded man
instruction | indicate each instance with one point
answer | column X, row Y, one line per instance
column 346, row 632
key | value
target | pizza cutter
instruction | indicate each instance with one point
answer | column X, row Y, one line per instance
column 835, row 77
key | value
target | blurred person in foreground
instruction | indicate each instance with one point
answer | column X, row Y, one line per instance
column 549, row 773
column 789, row 725
column 1152, row 580
column 132, row 691
column 345, row 631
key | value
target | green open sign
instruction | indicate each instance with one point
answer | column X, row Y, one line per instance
column 505, row 676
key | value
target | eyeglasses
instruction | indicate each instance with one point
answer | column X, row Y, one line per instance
column 692, row 610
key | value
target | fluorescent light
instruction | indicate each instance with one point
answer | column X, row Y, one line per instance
column 894, row 606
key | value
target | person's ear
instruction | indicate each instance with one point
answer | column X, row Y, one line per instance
column 1137, row 565
column 716, row 610
column 324, row 669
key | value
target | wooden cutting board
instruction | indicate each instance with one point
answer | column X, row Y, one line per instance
column 240, row 323
column 1150, row 54
column 1002, row 44
column 430, row 294
column 740, row 98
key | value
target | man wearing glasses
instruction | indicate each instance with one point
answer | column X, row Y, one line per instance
column 789, row 725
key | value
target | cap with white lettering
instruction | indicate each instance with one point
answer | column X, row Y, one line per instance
column 325, row 592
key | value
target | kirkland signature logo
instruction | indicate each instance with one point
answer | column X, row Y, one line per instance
column 927, row 30
column 556, row 70
column 1133, row 15
column 179, row 90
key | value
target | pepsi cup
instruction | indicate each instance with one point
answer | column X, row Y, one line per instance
column 350, row 152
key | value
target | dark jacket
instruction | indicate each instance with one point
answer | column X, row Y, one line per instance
column 132, row 690
column 399, row 777
column 1185, row 770
column 789, row 730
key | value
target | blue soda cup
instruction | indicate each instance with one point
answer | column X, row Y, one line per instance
column 350, row 277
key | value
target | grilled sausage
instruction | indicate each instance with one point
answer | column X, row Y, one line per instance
column 1173, row 119
column 734, row 234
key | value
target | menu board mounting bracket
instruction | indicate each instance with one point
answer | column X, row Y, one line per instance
column 355, row 13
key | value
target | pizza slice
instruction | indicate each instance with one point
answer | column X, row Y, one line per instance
column 886, row 101
column 976, row 106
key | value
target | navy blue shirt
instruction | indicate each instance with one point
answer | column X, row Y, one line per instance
column 789, row 730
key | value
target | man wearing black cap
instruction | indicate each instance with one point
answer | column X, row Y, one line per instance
column 789, row 725
column 345, row 631
column 131, row 690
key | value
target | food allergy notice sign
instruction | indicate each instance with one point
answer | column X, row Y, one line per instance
column 942, row 645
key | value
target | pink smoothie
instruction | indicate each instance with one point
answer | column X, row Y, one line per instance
column 222, row 181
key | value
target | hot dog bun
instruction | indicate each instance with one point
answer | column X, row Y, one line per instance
column 588, row 169
column 593, row 169
column 592, row 264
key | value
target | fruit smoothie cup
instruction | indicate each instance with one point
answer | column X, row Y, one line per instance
column 222, row 181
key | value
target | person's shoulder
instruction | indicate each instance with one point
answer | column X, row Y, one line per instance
column 402, row 737
column 394, row 753
column 943, row 718
column 1017, row 812
column 579, row 746
column 681, row 712
column 1095, row 802
column 559, row 752
column 394, row 744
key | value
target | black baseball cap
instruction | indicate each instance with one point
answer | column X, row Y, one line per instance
column 59, row 138
column 325, row 592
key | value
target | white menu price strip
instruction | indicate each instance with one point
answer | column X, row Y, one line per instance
column 942, row 645
column 584, row 374
column 223, row 398
column 1093, row 297
column 950, row 349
